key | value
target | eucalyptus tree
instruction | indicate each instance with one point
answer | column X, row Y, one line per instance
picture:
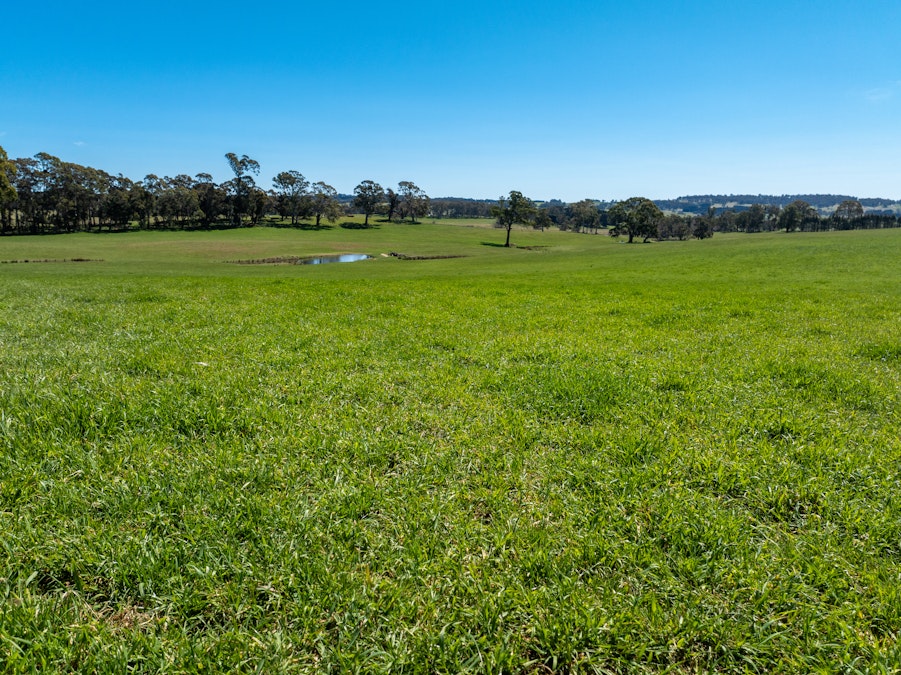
column 244, row 166
column 290, row 190
column 258, row 205
column 701, row 227
column 50, row 187
column 847, row 212
column 151, row 187
column 240, row 189
column 119, row 207
column 413, row 201
column 8, row 194
column 324, row 202
column 77, row 193
column 799, row 215
column 584, row 215
column 367, row 197
column 512, row 210
column 27, row 206
column 753, row 219
column 211, row 199
column 178, row 203
column 634, row 217
column 771, row 221
column 392, row 200
column 181, row 180
column 50, row 194
column 542, row 220
column 673, row 226
column 555, row 210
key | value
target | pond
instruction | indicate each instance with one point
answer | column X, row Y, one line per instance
column 344, row 258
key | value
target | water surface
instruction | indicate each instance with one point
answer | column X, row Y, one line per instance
column 322, row 260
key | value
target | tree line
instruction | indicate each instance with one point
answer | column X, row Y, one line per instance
column 799, row 216
column 633, row 218
column 45, row 194
column 699, row 204
column 641, row 218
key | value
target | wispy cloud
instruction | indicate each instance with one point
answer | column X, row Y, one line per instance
column 884, row 93
column 80, row 144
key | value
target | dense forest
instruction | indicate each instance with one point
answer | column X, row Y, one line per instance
column 46, row 195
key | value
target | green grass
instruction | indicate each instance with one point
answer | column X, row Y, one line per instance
column 578, row 457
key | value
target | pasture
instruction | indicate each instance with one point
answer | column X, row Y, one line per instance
column 575, row 455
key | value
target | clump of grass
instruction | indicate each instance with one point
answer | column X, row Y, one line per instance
column 881, row 351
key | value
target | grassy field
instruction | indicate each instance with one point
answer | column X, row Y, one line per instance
column 571, row 456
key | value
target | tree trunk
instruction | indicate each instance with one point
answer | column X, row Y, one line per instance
column 507, row 243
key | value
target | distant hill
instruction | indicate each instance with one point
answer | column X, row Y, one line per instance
column 825, row 204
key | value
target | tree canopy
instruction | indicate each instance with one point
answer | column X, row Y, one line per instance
column 325, row 202
column 848, row 211
column 368, row 195
column 290, row 192
column 412, row 201
column 8, row 194
column 799, row 215
column 511, row 210
column 585, row 215
column 242, row 188
column 634, row 217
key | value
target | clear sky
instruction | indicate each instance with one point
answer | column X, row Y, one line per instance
column 567, row 99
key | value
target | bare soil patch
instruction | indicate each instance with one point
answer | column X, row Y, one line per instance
column 402, row 256
column 49, row 260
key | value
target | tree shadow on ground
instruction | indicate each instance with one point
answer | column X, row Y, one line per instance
column 350, row 225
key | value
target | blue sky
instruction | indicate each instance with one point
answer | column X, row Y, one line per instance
column 558, row 100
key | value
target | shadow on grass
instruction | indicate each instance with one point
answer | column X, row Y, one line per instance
column 350, row 225
column 491, row 243
column 114, row 230
column 397, row 221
